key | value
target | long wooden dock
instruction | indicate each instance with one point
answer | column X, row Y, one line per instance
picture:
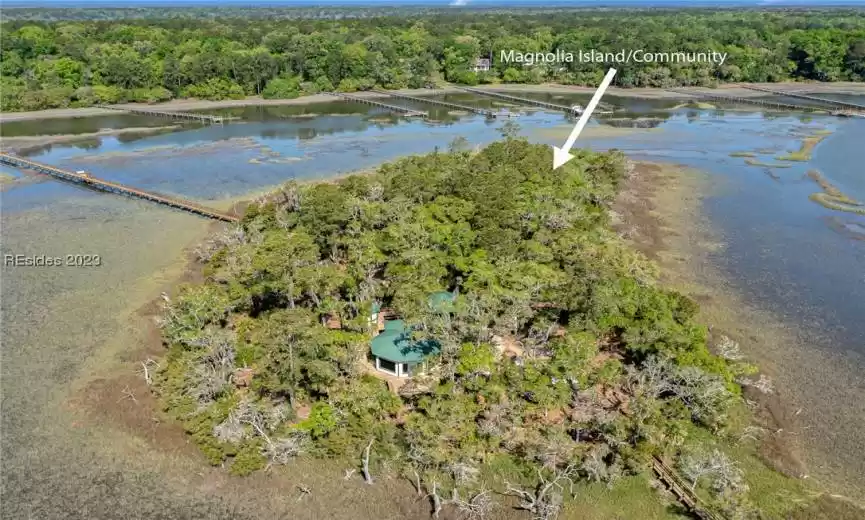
column 832, row 102
column 737, row 99
column 112, row 187
column 407, row 112
column 682, row 491
column 465, row 108
column 190, row 116
column 848, row 113
column 527, row 101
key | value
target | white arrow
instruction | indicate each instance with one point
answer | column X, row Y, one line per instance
column 562, row 155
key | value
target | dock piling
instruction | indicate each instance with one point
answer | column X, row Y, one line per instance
column 465, row 108
column 407, row 112
column 526, row 101
column 112, row 187
column 744, row 100
column 191, row 116
column 832, row 102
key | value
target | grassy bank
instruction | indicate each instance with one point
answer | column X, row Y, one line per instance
column 834, row 198
column 754, row 162
column 633, row 93
column 804, row 152
column 806, row 414
column 452, row 418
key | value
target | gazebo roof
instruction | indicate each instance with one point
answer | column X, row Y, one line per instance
column 442, row 301
column 395, row 344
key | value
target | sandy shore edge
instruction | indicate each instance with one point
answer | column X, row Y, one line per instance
column 661, row 211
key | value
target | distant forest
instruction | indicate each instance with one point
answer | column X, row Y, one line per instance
column 71, row 62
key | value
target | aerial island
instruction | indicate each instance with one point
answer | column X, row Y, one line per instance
column 320, row 262
column 466, row 320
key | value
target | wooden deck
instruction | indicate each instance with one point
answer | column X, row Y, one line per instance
column 736, row 99
column 848, row 113
column 393, row 382
column 407, row 112
column 465, row 108
column 831, row 102
column 190, row 116
column 683, row 493
column 113, row 187
column 528, row 101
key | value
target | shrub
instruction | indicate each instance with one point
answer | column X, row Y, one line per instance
column 107, row 94
column 149, row 95
column 282, row 88
column 215, row 89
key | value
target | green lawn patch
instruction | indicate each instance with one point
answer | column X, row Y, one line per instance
column 754, row 162
column 631, row 497
column 804, row 152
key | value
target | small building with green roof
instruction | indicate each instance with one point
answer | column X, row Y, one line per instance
column 395, row 350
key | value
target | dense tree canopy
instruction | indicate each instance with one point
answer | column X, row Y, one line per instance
column 82, row 62
column 605, row 367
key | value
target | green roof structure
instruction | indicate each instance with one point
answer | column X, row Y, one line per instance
column 395, row 344
column 442, row 301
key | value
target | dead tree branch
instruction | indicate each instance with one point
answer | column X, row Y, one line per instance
column 146, row 365
column 417, row 483
column 545, row 502
column 128, row 394
column 436, row 499
column 478, row 507
column 366, row 476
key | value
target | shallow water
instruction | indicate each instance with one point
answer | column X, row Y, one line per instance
column 78, row 125
column 62, row 323
column 802, row 262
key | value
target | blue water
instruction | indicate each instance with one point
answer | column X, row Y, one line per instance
column 779, row 246
column 209, row 163
column 781, row 251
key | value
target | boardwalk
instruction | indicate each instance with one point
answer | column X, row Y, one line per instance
column 848, row 113
column 407, row 112
column 527, row 101
column 750, row 101
column 190, row 116
column 111, row 187
column 682, row 491
column 831, row 102
column 465, row 108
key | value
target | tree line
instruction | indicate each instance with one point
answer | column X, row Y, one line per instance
column 71, row 63
column 561, row 359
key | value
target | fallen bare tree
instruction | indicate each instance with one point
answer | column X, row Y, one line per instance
column 478, row 507
column 277, row 450
column 722, row 473
column 367, row 477
column 147, row 366
column 545, row 501
column 231, row 236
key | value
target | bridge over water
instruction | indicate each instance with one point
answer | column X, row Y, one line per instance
column 89, row 181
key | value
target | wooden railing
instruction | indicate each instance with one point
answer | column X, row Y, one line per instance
column 113, row 187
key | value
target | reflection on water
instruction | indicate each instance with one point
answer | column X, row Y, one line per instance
column 273, row 144
column 79, row 125
column 781, row 249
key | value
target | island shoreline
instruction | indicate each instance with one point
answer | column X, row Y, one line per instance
column 103, row 388
column 661, row 214
column 646, row 93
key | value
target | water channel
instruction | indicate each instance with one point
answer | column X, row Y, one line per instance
column 63, row 327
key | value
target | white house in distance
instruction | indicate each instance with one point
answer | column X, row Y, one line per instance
column 482, row 65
